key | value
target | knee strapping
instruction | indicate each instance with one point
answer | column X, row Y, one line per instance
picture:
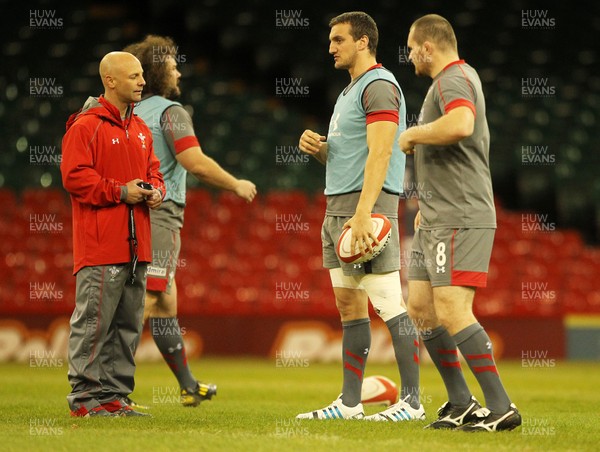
column 385, row 293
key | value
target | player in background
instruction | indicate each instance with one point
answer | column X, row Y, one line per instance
column 364, row 174
column 454, row 228
column 106, row 153
column 179, row 152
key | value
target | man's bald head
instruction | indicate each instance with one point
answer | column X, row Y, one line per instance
column 121, row 74
column 115, row 64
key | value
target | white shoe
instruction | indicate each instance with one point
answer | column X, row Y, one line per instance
column 337, row 410
column 400, row 411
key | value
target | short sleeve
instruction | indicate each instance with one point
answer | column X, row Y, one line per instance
column 455, row 90
column 381, row 101
column 178, row 130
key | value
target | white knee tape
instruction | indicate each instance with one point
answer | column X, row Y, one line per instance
column 338, row 279
column 385, row 293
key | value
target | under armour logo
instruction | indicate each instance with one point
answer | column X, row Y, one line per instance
column 488, row 345
column 366, row 351
column 115, row 141
column 440, row 269
column 142, row 138
column 334, row 122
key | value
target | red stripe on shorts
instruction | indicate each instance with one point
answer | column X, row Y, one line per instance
column 156, row 284
column 464, row 277
column 470, row 279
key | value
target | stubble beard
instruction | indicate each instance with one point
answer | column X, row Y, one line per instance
column 342, row 66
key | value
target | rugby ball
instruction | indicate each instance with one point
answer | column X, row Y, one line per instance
column 382, row 229
column 379, row 390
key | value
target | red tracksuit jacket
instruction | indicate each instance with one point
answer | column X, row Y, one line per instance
column 100, row 153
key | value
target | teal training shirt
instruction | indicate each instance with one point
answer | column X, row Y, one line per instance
column 347, row 139
column 151, row 111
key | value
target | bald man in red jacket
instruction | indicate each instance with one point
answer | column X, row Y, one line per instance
column 107, row 157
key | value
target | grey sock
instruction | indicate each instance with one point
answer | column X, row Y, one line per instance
column 406, row 348
column 444, row 354
column 167, row 336
column 356, row 342
column 476, row 347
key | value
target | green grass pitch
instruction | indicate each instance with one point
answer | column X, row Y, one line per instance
column 257, row 402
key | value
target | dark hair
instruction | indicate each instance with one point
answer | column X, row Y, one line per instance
column 361, row 24
column 152, row 53
column 434, row 28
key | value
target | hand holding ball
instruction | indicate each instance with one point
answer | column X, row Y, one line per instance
column 382, row 229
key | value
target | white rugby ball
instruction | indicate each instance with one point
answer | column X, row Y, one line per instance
column 379, row 390
column 382, row 229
